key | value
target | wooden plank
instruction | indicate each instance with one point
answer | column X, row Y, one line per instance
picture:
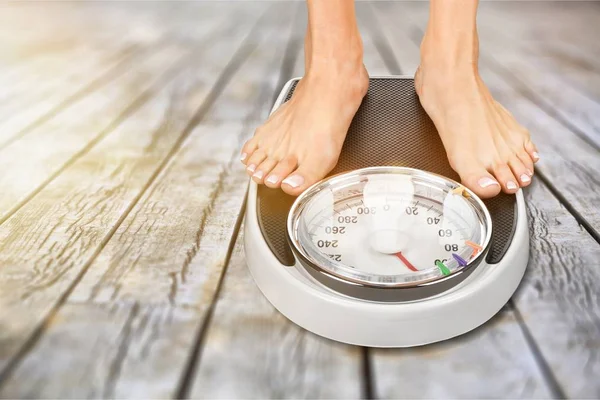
column 43, row 152
column 561, row 285
column 56, row 54
column 78, row 59
column 244, row 327
column 22, row 115
column 252, row 351
column 48, row 245
column 452, row 357
column 571, row 60
column 553, row 22
column 488, row 362
column 559, row 299
column 373, row 60
column 161, row 261
column 568, row 163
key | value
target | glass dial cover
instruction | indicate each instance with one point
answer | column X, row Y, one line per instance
column 388, row 228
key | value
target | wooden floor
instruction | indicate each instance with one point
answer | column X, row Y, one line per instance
column 121, row 198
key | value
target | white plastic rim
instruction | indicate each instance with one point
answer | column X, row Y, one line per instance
column 359, row 322
column 324, row 312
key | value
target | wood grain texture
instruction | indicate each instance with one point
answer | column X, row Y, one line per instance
column 48, row 245
column 82, row 47
column 441, row 370
column 35, row 157
column 21, row 115
column 166, row 258
column 558, row 300
column 45, row 151
column 253, row 352
column 560, row 297
column 572, row 59
column 238, row 358
column 63, row 48
column 118, row 231
column 489, row 362
column 568, row 163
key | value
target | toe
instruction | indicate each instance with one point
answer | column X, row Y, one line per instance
column 263, row 170
column 309, row 172
column 527, row 162
column 479, row 181
column 254, row 161
column 532, row 150
column 283, row 168
column 506, row 178
column 475, row 176
column 520, row 171
column 248, row 149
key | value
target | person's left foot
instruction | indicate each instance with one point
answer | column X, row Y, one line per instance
column 485, row 145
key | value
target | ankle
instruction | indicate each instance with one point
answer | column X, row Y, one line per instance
column 345, row 56
column 350, row 70
column 458, row 50
column 334, row 65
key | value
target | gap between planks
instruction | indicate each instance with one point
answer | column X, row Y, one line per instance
column 122, row 116
column 235, row 62
column 586, row 324
column 129, row 55
column 185, row 386
column 299, row 365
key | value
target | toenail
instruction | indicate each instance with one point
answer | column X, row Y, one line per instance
column 529, row 172
column 243, row 157
column 525, row 178
column 485, row 182
column 272, row 179
column 251, row 167
column 293, row 181
column 510, row 185
column 258, row 175
column 536, row 155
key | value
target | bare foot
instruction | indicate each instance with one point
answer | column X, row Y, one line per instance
column 301, row 142
column 485, row 145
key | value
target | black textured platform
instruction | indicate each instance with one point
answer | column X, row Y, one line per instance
column 390, row 128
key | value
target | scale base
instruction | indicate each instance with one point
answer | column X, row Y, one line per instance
column 325, row 312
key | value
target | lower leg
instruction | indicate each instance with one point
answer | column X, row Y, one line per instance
column 485, row 145
column 300, row 143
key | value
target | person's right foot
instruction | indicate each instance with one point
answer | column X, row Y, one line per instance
column 301, row 142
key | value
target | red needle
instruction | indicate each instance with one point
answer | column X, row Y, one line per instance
column 406, row 262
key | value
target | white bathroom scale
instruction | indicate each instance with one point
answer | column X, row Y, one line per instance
column 388, row 250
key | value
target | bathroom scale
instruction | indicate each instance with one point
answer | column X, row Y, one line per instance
column 389, row 250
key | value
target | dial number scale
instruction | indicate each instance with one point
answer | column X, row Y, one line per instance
column 389, row 227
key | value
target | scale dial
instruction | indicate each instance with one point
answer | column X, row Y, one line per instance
column 389, row 233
